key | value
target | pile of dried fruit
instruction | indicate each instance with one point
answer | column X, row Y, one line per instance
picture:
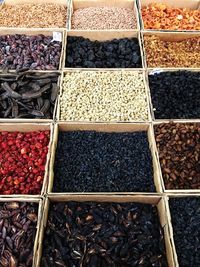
column 103, row 162
column 103, row 18
column 33, row 52
column 33, row 16
column 185, row 213
column 179, row 152
column 22, row 161
column 161, row 53
column 175, row 95
column 104, row 96
column 18, row 222
column 28, row 95
column 103, row 234
column 159, row 16
column 117, row 53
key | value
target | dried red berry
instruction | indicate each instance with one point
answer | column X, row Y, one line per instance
column 22, row 161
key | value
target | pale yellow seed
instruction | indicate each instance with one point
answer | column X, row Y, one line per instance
column 104, row 97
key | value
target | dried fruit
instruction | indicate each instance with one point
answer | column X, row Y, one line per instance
column 28, row 95
column 179, row 150
column 117, row 234
column 38, row 52
column 19, row 156
column 175, row 94
column 158, row 16
column 103, row 162
column 161, row 53
column 117, row 53
column 17, row 233
column 185, row 213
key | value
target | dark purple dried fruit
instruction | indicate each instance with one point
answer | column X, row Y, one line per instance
column 33, row 52
column 17, row 241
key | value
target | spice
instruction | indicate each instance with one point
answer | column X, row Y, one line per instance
column 33, row 52
column 104, row 96
column 179, row 149
column 103, row 234
column 22, row 161
column 28, row 95
column 159, row 16
column 117, row 53
column 176, row 54
column 103, row 18
column 185, row 213
column 33, row 16
column 18, row 222
column 103, row 162
column 175, row 94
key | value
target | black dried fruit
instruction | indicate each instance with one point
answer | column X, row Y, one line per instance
column 103, row 162
column 103, row 235
column 175, row 94
column 185, row 213
column 117, row 53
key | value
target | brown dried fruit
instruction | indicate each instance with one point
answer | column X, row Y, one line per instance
column 177, row 54
column 179, row 158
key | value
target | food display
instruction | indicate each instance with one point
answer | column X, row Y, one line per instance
column 99, row 133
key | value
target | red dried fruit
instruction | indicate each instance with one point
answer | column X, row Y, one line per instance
column 23, row 150
column 22, row 161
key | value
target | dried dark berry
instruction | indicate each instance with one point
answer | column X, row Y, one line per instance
column 103, row 162
column 175, row 95
column 185, row 213
column 129, row 234
column 121, row 53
